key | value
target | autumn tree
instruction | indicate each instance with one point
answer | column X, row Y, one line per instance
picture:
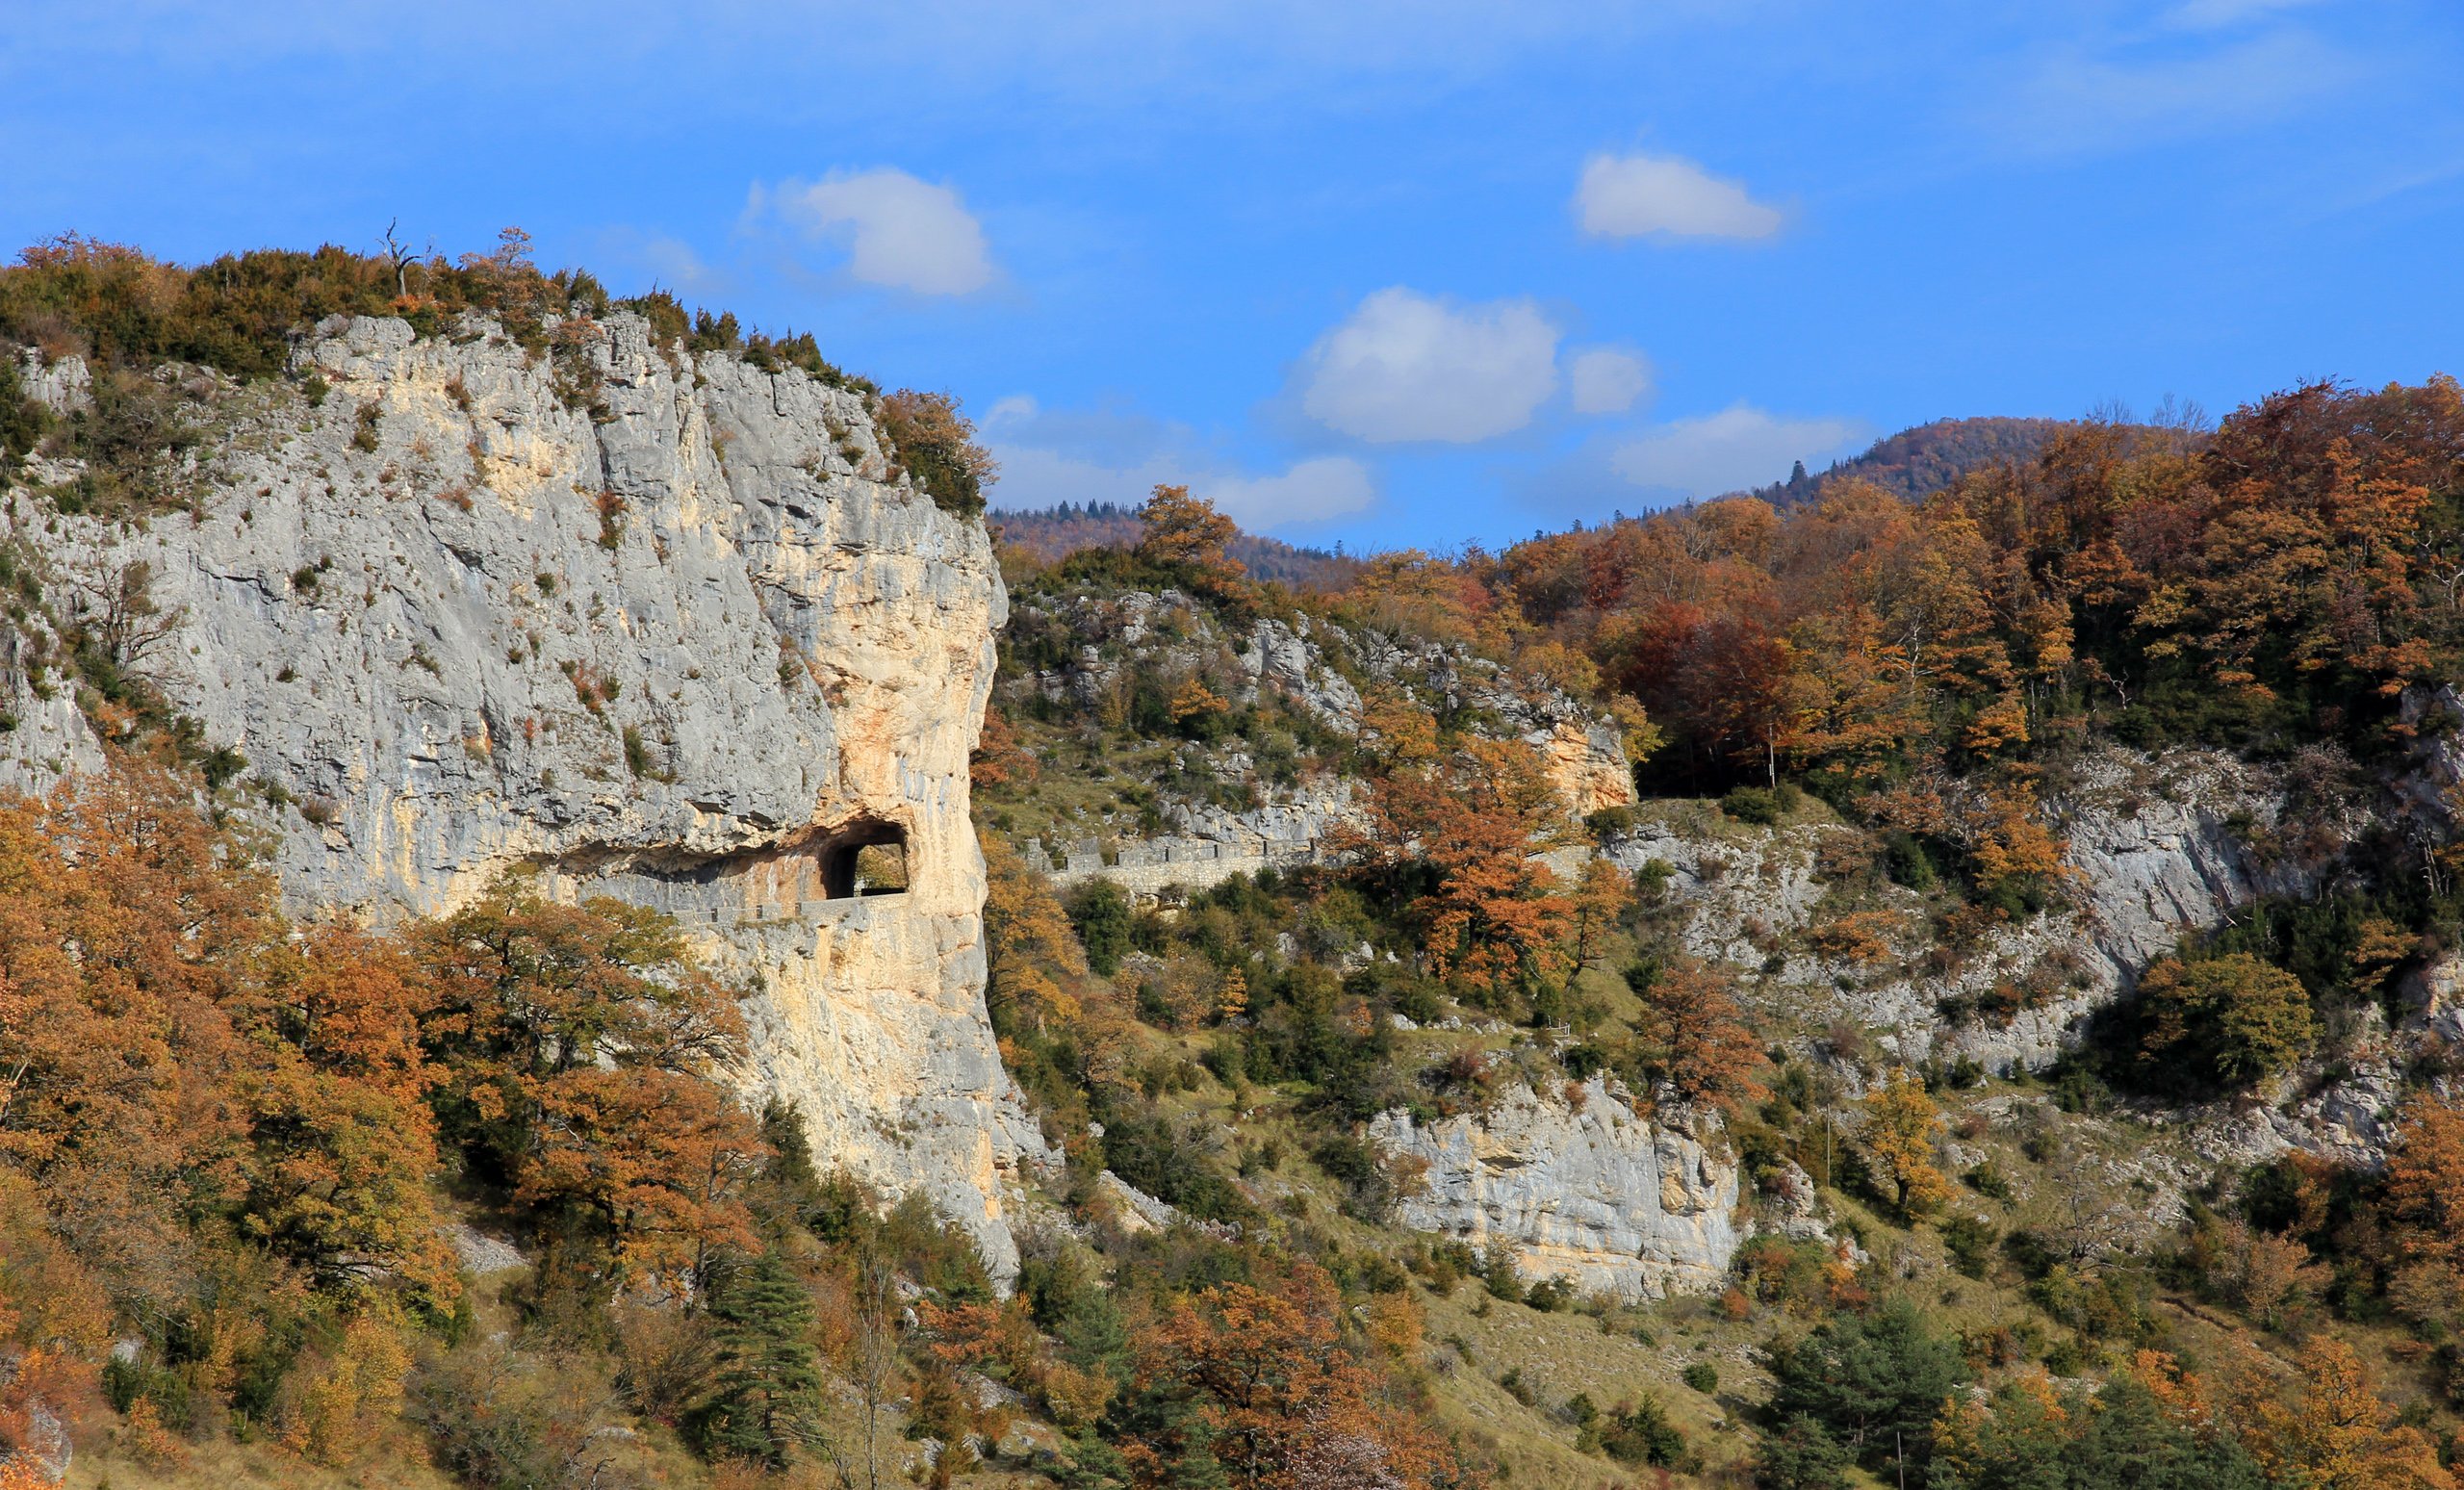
column 2230, row 1020
column 1600, row 895
column 1902, row 1129
column 1186, row 534
column 1256, row 1385
column 1032, row 953
column 580, row 1047
column 338, row 1112
column 936, row 441
column 998, row 759
column 2424, row 1208
column 1702, row 1043
column 2332, row 1431
column 165, row 1050
column 1458, row 839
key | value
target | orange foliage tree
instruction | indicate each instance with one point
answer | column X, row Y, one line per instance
column 1185, row 534
column 1464, row 832
column 1260, row 1382
column 1709, row 1051
column 2332, row 1431
column 580, row 1045
column 158, row 1037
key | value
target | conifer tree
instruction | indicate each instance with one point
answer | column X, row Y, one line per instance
column 768, row 1394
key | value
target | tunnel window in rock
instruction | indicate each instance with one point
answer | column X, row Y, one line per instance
column 870, row 859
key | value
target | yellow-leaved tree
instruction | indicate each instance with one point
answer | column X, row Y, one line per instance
column 1902, row 1127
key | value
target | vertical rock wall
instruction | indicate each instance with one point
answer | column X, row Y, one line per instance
column 653, row 625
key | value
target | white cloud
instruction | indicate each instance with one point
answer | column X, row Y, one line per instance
column 1409, row 366
column 1607, row 380
column 1666, row 196
column 1050, row 456
column 1329, row 486
column 899, row 232
column 1739, row 446
column 1034, row 476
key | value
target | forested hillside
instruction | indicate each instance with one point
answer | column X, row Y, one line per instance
column 1915, row 463
column 1953, row 988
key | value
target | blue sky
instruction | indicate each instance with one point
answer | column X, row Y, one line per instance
column 1383, row 274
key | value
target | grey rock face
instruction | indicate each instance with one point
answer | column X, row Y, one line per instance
column 1280, row 656
column 1620, row 1203
column 2157, row 857
column 2157, row 846
column 686, row 647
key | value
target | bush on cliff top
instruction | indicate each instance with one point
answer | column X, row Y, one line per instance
column 115, row 304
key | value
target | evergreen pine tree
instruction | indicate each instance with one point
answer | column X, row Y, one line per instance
column 1799, row 1456
column 769, row 1387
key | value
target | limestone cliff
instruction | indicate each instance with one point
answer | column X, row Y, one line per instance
column 1587, row 1190
column 655, row 625
column 2156, row 846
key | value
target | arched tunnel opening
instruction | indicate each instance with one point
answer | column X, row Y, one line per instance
column 866, row 859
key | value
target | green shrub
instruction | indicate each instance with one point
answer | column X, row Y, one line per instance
column 1651, row 882
column 1702, row 1376
column 1100, row 912
column 23, row 421
column 1756, row 805
column 1800, row 1454
column 1970, row 1240
column 1639, row 1432
column 1875, row 1380
column 2227, row 1022
column 1551, row 1295
column 1499, row 1271
column 1610, row 822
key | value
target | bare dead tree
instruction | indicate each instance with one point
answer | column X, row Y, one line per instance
column 875, row 1349
column 117, row 605
column 398, row 254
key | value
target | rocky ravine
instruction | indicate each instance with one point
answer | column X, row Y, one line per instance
column 691, row 652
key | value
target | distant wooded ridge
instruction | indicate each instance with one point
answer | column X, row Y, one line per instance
column 1053, row 533
column 1912, row 464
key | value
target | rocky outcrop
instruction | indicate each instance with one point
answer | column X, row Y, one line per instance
column 1280, row 656
column 2157, row 846
column 652, row 624
column 1311, row 667
column 1590, row 1190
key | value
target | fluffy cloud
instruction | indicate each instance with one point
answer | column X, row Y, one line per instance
column 1052, row 456
column 1407, row 367
column 1666, row 196
column 1607, row 379
column 899, row 232
column 1739, row 446
column 1329, row 486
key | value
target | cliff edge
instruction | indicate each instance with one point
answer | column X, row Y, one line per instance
column 648, row 624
